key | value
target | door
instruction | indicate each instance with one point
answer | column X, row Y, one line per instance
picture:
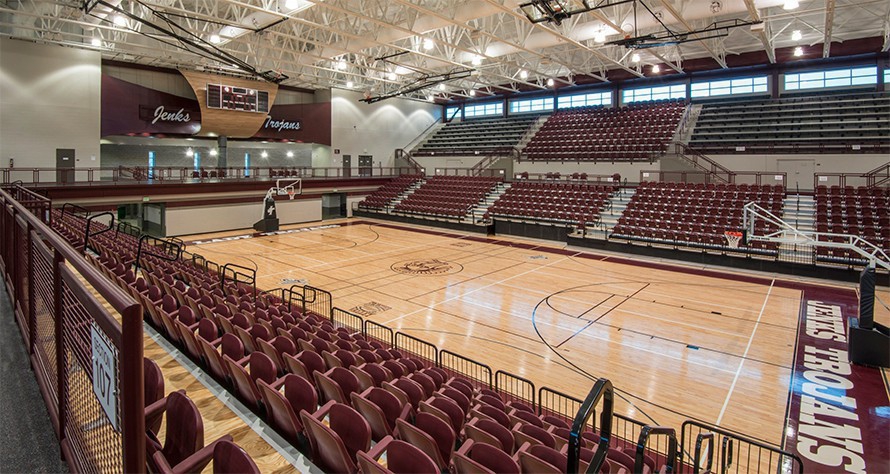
column 365, row 163
column 64, row 165
column 800, row 173
column 333, row 205
column 347, row 166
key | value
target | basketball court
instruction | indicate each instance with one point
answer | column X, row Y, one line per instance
column 678, row 342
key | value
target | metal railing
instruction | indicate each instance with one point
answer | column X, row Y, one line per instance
column 878, row 177
column 732, row 452
column 718, row 172
column 119, row 175
column 75, row 343
column 739, row 177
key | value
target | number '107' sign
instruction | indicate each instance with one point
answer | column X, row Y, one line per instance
column 104, row 375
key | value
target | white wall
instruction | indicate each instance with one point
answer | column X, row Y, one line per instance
column 198, row 220
column 376, row 129
column 50, row 97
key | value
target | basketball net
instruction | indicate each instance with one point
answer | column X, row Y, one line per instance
column 291, row 192
column 733, row 238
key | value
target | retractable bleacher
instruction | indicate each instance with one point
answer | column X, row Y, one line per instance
column 477, row 136
column 631, row 133
column 858, row 211
column 849, row 123
column 552, row 202
column 694, row 214
column 447, row 196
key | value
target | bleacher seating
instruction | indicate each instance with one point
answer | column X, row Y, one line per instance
column 857, row 211
column 559, row 202
column 477, row 136
column 337, row 388
column 630, row 133
column 809, row 124
column 448, row 196
column 385, row 194
column 695, row 215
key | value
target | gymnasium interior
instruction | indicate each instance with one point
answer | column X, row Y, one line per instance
column 445, row 236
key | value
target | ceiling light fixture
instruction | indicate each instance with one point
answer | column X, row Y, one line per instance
column 550, row 82
column 341, row 65
column 349, row 84
column 213, row 152
column 215, row 39
column 441, row 87
column 523, row 74
column 292, row 4
column 656, row 69
column 796, row 35
column 635, row 58
column 120, row 20
column 477, row 60
column 472, row 93
column 96, row 42
column 428, row 44
column 791, row 4
column 798, row 51
column 391, row 76
column 290, row 154
column 264, row 154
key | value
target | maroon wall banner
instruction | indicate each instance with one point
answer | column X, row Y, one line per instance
column 307, row 123
column 129, row 109
column 839, row 413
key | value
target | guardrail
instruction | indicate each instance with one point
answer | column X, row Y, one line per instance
column 104, row 176
column 92, row 386
column 739, row 177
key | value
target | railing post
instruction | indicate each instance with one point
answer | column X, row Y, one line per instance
column 32, row 308
column 132, row 392
column 61, row 363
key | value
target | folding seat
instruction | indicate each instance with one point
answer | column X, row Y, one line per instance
column 526, row 433
column 154, row 391
column 459, row 398
column 282, row 409
column 525, row 417
column 206, row 329
column 261, row 367
column 431, row 435
column 229, row 458
column 446, row 409
column 486, row 430
column 406, row 390
column 541, row 459
column 399, row 458
column 483, row 458
column 230, row 346
column 336, row 433
column 381, row 409
column 183, row 449
column 336, row 385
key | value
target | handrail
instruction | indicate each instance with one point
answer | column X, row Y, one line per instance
column 165, row 256
column 127, row 332
column 696, row 460
column 648, row 431
column 729, row 436
column 491, row 159
column 407, row 156
column 249, row 272
column 694, row 156
column 602, row 389
column 68, row 204
column 87, row 234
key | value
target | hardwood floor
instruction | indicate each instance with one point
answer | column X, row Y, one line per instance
column 677, row 344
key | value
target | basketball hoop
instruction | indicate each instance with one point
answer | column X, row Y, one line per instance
column 291, row 192
column 733, row 238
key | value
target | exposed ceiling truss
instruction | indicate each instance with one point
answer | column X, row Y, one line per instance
column 438, row 48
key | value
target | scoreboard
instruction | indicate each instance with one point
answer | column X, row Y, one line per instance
column 220, row 96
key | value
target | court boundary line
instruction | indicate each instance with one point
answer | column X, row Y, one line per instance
column 738, row 372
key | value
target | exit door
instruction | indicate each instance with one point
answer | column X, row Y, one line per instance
column 64, row 165
column 365, row 162
column 347, row 166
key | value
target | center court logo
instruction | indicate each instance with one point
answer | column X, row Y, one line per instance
column 426, row 267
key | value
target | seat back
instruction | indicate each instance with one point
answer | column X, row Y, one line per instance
column 380, row 427
column 280, row 412
column 229, row 458
column 483, row 458
column 244, row 385
column 491, row 432
column 422, row 440
column 328, row 451
column 154, row 391
column 185, row 429
column 352, row 428
column 403, row 458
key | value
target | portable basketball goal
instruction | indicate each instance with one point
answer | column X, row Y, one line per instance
column 868, row 341
column 290, row 190
column 283, row 187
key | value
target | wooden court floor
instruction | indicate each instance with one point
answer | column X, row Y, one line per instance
column 676, row 344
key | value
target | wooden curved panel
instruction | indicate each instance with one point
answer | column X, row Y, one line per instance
column 229, row 123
